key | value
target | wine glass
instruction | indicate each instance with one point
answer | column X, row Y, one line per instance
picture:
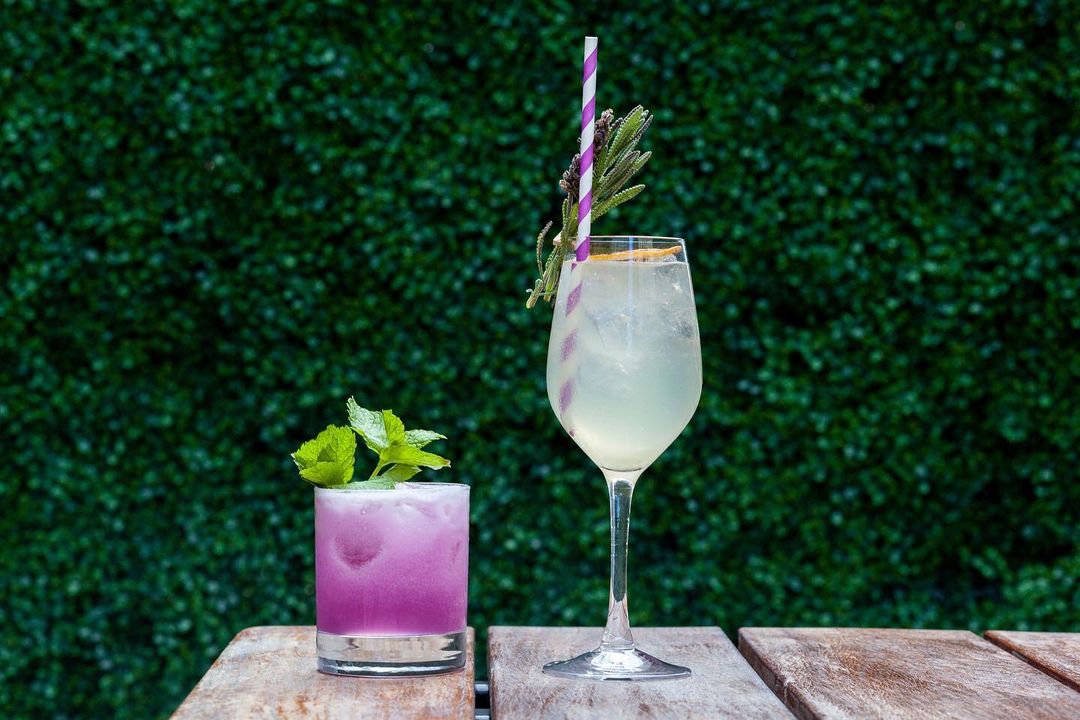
column 624, row 379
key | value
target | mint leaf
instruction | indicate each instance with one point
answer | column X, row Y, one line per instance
column 409, row 455
column 395, row 429
column 327, row 461
column 327, row 475
column 369, row 425
column 376, row 484
column 399, row 473
column 420, row 438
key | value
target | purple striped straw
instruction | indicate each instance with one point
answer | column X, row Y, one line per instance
column 581, row 246
column 588, row 118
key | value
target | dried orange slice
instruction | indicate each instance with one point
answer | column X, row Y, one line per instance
column 647, row 254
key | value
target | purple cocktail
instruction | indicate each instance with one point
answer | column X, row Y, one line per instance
column 391, row 578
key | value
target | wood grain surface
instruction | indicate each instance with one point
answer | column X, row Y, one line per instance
column 862, row 673
column 722, row 685
column 1056, row 654
column 269, row 672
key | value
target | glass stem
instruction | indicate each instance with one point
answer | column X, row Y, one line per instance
column 617, row 634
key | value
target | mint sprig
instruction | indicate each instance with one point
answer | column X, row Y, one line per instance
column 327, row 461
column 398, row 450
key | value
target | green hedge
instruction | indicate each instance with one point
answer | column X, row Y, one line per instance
column 221, row 219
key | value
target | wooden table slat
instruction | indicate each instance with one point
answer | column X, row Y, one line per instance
column 722, row 685
column 269, row 672
column 864, row 673
column 1056, row 654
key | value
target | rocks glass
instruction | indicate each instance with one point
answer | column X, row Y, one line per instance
column 391, row 579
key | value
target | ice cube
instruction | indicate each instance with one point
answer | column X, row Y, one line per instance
column 684, row 326
column 358, row 549
column 423, row 508
column 606, row 375
column 611, row 329
column 456, row 550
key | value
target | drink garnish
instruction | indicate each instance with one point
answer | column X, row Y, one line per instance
column 617, row 160
column 644, row 254
column 327, row 461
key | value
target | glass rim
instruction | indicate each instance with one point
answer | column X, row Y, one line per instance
column 411, row 486
column 622, row 248
column 668, row 238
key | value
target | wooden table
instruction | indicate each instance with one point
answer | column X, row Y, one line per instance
column 807, row 673
column 721, row 686
column 861, row 673
column 269, row 672
column 1056, row 654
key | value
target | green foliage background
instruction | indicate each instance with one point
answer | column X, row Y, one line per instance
column 221, row 219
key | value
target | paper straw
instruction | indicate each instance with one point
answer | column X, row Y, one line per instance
column 588, row 118
column 581, row 246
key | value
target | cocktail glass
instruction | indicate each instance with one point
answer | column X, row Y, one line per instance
column 391, row 579
column 624, row 379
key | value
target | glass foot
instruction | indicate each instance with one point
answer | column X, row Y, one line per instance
column 630, row 664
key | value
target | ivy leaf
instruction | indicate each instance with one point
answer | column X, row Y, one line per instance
column 327, row 461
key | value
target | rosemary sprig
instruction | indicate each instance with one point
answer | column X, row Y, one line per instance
column 616, row 160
